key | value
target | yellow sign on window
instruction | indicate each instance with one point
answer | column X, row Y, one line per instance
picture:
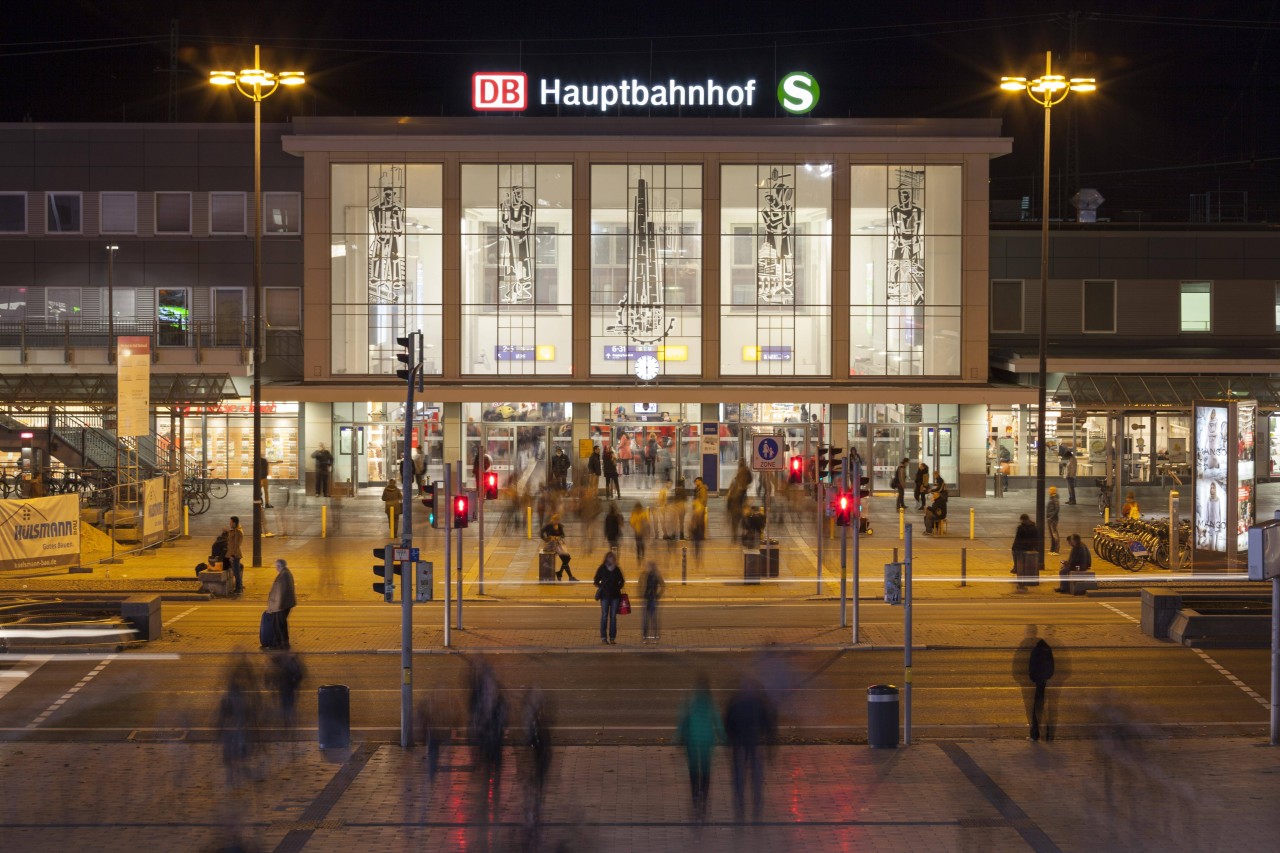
column 545, row 352
column 751, row 353
column 673, row 352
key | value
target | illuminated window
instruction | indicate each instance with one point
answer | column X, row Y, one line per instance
column 1197, row 306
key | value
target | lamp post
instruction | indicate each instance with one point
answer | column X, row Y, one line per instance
column 256, row 84
column 1048, row 91
column 111, row 303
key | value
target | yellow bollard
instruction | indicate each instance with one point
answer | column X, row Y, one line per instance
column 528, row 522
column 971, row 522
column 391, row 521
column 324, row 522
column 1106, row 515
column 902, row 523
column 186, row 522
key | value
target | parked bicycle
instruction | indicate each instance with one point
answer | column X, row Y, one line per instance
column 1122, row 549
column 1154, row 536
column 1104, row 495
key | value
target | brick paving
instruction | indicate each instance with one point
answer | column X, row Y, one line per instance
column 997, row 795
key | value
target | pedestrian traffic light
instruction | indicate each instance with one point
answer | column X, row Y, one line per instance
column 835, row 463
column 864, row 492
column 386, row 569
column 844, row 508
column 822, row 463
column 796, row 469
column 429, row 493
column 461, row 511
column 491, row 486
column 408, row 358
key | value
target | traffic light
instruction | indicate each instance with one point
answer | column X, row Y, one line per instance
column 796, row 470
column 491, row 486
column 823, row 464
column 461, row 511
column 429, row 501
column 387, row 570
column 844, row 508
column 409, row 358
column 834, row 465
column 864, row 492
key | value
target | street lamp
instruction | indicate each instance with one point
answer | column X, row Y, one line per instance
column 111, row 303
column 256, row 84
column 1048, row 91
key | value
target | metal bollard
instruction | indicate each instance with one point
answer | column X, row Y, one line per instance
column 334, row 716
column 964, row 566
column 902, row 523
column 882, row 716
column 684, row 565
column 895, row 555
column 528, row 522
column 970, row 523
column 186, row 522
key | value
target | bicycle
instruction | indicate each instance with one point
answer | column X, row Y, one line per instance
column 1104, row 495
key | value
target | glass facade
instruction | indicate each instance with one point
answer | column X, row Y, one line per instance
column 775, row 263
column 517, row 269
column 905, row 270
column 646, row 268
column 386, row 227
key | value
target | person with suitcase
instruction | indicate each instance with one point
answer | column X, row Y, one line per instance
column 280, row 601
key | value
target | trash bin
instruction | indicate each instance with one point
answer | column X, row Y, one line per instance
column 752, row 566
column 893, row 583
column 1027, row 567
column 882, row 716
column 769, row 551
column 546, row 567
column 334, row 716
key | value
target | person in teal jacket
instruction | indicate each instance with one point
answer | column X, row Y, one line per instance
column 699, row 730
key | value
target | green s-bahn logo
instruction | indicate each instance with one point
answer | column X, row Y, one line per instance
column 798, row 92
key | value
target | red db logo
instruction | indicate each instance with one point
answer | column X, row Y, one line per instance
column 499, row 91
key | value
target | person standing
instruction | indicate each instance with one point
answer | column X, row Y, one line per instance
column 613, row 528
column 1051, row 514
column 749, row 725
column 1072, row 468
column 559, row 470
column 235, row 554
column 922, row 485
column 609, row 583
column 324, row 470
column 700, row 730
column 610, row 466
column 625, row 454
column 595, row 470
column 263, row 474
column 1026, row 542
column 650, row 458
column 937, row 511
column 281, row 600
column 900, row 482
column 652, row 587
column 640, row 527
column 419, row 460
column 393, row 501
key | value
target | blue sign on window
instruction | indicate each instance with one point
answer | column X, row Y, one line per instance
column 513, row 353
column 782, row 353
column 618, row 352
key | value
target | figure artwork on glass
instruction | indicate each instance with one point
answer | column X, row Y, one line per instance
column 641, row 312
column 775, row 266
column 515, row 282
column 387, row 240
column 906, row 242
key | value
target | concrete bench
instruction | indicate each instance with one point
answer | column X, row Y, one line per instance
column 1078, row 583
column 219, row 582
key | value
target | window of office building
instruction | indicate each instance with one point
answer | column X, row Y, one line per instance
column 517, row 268
column 646, row 269
column 1278, row 306
column 173, row 213
column 282, row 307
column 226, row 213
column 386, row 223
column 13, row 303
column 905, row 263
column 62, row 303
column 281, row 213
column 118, row 212
column 1197, row 306
column 775, row 269
column 62, row 213
column 1099, row 306
column 13, row 213
column 1006, row 305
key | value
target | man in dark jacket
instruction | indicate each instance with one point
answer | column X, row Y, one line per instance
column 1032, row 668
column 613, row 527
column 749, row 725
column 1026, row 542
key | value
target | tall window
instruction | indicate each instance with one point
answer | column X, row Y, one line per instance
column 1197, row 306
column 118, row 212
column 1099, row 306
column 386, row 223
column 1006, row 305
column 13, row 213
column 517, row 268
column 62, row 213
column 905, row 262
column 646, row 268
column 775, row 280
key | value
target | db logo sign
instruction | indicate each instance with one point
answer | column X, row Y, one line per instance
column 499, row 91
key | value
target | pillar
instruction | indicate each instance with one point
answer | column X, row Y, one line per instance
column 972, row 464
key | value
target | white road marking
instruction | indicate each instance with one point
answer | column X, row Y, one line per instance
column 14, row 677
column 186, row 612
column 93, row 673
column 1121, row 613
column 1226, row 673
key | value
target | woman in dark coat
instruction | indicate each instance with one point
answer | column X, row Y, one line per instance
column 1026, row 539
column 609, row 583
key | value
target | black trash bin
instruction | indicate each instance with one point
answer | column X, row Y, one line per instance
column 882, row 716
column 769, row 551
column 335, row 716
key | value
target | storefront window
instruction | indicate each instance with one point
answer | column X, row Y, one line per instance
column 905, row 262
column 386, row 225
column 646, row 268
column 220, row 439
column 517, row 269
column 775, row 281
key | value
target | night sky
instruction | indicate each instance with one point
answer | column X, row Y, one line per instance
column 1187, row 103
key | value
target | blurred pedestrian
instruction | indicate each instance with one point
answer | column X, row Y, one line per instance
column 285, row 674
column 419, row 468
column 487, row 727
column 281, row 601
column 1033, row 667
column 921, row 485
column 625, row 453
column 1072, row 466
column 1051, row 515
column 749, row 725
column 609, row 582
column 535, row 743
column 393, row 501
column 652, row 587
column 899, row 483
column 595, row 469
column 435, row 729
column 609, row 465
column 613, row 527
column 235, row 554
column 1026, row 543
column 640, row 527
column 237, row 719
column 699, row 731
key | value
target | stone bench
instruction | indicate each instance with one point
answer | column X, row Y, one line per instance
column 219, row 582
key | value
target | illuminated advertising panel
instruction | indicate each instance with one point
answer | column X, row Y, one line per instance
column 1211, row 478
column 1246, row 419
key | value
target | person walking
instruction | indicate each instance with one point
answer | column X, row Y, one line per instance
column 487, row 725
column 595, row 469
column 652, row 587
column 1026, row 542
column 613, row 528
column 552, row 533
column 419, row 460
column 280, row 601
column 625, row 453
column 609, row 464
column 263, row 473
column 324, row 470
column 1051, row 514
column 609, row 583
column 1040, row 670
column 922, row 485
column 535, row 739
column 899, row 483
column 393, row 501
column 235, row 554
column 640, row 527
column 1073, row 466
column 699, row 731
column 285, row 675
column 650, row 458
column 749, row 725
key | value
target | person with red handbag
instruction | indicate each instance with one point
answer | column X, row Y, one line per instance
column 609, row 583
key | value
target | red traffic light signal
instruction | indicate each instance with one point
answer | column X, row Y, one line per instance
column 844, row 508
column 796, row 469
column 461, row 511
column 490, row 485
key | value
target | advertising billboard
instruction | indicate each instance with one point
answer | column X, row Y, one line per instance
column 1211, row 478
column 1245, row 477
